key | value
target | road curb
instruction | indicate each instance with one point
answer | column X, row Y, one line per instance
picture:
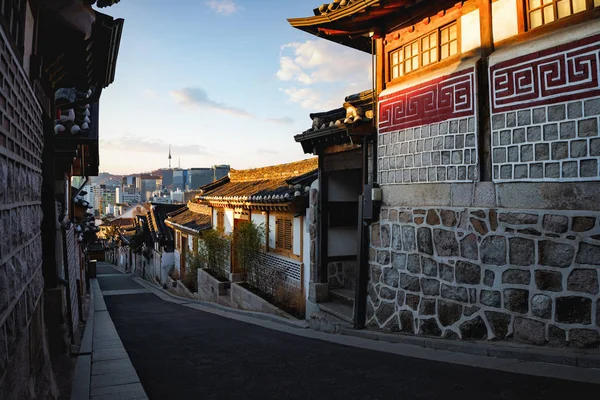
column 209, row 305
column 82, row 378
column 561, row 357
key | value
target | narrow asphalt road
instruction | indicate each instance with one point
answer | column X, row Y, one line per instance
column 182, row 353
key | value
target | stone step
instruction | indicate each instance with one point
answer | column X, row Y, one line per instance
column 341, row 311
column 324, row 322
column 342, row 295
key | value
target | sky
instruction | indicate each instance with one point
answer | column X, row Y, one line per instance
column 221, row 81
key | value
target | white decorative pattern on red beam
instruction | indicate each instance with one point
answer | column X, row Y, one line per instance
column 450, row 96
column 563, row 73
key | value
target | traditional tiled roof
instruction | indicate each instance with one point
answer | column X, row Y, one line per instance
column 338, row 5
column 335, row 126
column 193, row 217
column 106, row 3
column 274, row 184
column 156, row 221
column 351, row 22
column 120, row 222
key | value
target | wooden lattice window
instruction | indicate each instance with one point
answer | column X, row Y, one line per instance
column 283, row 231
column 542, row 12
column 435, row 46
column 221, row 220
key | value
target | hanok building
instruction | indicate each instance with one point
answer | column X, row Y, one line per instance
column 162, row 258
column 187, row 224
column 276, row 197
column 488, row 157
column 341, row 139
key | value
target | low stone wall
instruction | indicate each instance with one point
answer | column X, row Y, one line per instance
column 179, row 289
column 476, row 273
column 209, row 287
column 247, row 300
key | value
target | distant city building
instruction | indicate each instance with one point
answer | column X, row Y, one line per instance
column 220, row 171
column 127, row 195
column 89, row 194
column 179, row 179
column 198, row 177
column 177, row 196
column 104, row 196
column 167, row 178
column 146, row 184
column 129, row 180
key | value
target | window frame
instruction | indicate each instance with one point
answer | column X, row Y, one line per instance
column 590, row 6
column 414, row 39
column 281, row 248
column 220, row 223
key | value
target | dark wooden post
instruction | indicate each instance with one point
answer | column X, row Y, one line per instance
column 483, row 90
column 323, row 216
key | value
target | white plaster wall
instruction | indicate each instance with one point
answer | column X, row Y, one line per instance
column 176, row 259
column 214, row 218
column 259, row 219
column 426, row 77
column 296, row 235
column 272, row 231
column 470, row 37
column 228, row 220
column 566, row 35
column 342, row 242
column 167, row 261
column 505, row 19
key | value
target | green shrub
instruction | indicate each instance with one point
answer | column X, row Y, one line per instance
column 248, row 241
column 213, row 252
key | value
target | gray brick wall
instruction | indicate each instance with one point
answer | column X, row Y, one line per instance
column 440, row 152
column 558, row 142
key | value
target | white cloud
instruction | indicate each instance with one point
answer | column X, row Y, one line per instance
column 139, row 144
column 281, row 121
column 321, row 73
column 197, row 97
column 315, row 100
column 225, row 7
column 317, row 61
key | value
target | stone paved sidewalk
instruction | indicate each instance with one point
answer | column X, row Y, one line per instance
column 104, row 370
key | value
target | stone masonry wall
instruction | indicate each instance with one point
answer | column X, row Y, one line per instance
column 342, row 274
column 523, row 275
column 24, row 365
